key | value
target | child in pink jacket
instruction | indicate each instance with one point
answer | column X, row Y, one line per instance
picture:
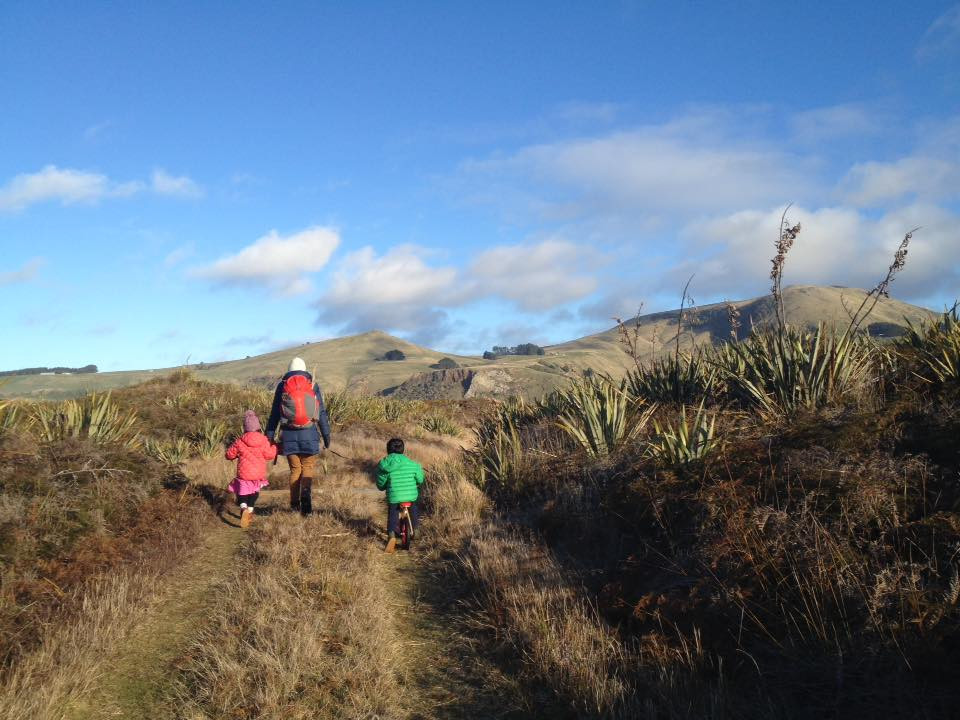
column 251, row 450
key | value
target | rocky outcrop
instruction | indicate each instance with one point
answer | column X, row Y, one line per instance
column 458, row 384
column 436, row 385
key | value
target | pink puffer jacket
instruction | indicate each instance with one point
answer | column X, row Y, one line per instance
column 252, row 450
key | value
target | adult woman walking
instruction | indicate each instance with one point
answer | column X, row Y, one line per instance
column 299, row 413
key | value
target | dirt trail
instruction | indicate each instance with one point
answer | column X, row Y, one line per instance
column 139, row 670
column 451, row 675
column 448, row 674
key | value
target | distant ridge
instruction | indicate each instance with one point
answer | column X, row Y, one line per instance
column 353, row 362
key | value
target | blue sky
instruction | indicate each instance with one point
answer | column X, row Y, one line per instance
column 215, row 180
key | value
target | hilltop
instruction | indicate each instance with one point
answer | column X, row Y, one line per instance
column 354, row 362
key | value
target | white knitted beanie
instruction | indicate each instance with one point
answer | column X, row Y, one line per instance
column 297, row 364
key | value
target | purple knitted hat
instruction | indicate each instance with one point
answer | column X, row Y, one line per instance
column 251, row 423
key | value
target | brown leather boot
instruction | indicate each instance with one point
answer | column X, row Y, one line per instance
column 295, row 495
column 306, row 495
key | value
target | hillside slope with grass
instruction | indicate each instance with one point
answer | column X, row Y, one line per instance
column 356, row 362
column 765, row 529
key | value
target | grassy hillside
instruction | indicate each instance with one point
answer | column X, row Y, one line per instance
column 352, row 362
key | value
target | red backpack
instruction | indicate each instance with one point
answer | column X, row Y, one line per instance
column 298, row 402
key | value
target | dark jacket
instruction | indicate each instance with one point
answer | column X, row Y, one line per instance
column 304, row 441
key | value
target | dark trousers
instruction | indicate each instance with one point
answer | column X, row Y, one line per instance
column 393, row 517
column 250, row 500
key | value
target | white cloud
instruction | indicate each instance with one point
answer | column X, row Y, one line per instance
column 731, row 254
column 163, row 183
column 393, row 291
column 687, row 165
column 24, row 274
column 396, row 278
column 930, row 178
column 64, row 185
column 942, row 37
column 280, row 263
column 69, row 186
column 535, row 276
column 400, row 291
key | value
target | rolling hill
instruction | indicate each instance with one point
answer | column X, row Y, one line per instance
column 353, row 362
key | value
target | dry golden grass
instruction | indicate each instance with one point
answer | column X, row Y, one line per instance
column 300, row 630
column 526, row 597
column 59, row 673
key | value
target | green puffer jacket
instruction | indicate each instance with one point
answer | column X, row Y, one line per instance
column 401, row 477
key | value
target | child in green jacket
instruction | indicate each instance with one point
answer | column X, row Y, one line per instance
column 401, row 477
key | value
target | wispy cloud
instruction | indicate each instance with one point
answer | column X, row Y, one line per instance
column 65, row 185
column 942, row 37
column 247, row 340
column 834, row 122
column 94, row 132
column 280, row 263
column 178, row 255
column 874, row 183
column 23, row 274
column 688, row 165
column 69, row 186
column 163, row 183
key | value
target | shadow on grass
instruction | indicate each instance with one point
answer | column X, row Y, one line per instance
column 488, row 672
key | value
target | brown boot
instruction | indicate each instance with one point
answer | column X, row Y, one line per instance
column 295, row 495
column 391, row 545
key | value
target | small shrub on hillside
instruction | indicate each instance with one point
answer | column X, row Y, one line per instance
column 445, row 364
column 393, row 355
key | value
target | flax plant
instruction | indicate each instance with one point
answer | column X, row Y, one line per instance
column 93, row 416
column 674, row 379
column 170, row 452
column 601, row 415
column 783, row 373
column 937, row 347
column 209, row 438
column 499, row 455
column 683, row 442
